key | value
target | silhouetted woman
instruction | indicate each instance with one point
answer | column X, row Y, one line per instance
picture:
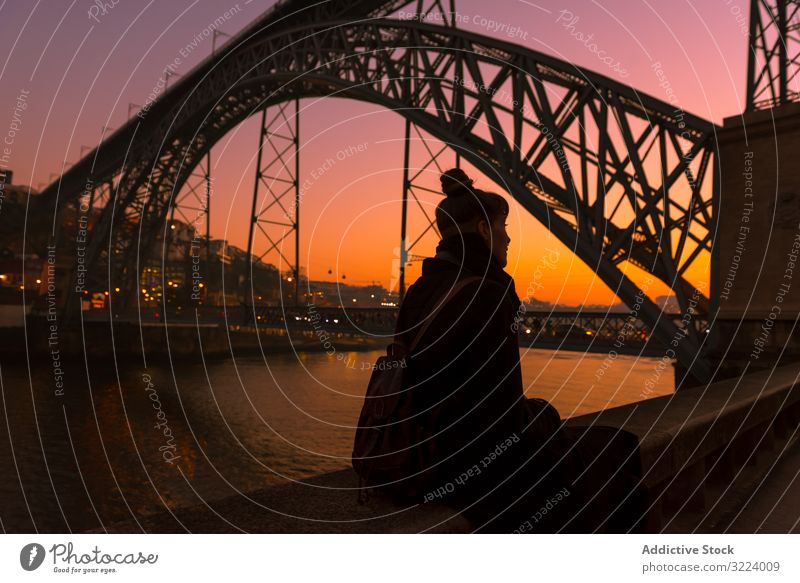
column 501, row 459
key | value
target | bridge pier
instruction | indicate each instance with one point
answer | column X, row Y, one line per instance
column 756, row 257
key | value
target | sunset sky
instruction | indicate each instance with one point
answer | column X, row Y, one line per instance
column 82, row 74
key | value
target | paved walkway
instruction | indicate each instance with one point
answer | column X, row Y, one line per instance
column 323, row 504
column 326, row 504
column 774, row 507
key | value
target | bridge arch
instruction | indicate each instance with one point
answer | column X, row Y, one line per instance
column 616, row 175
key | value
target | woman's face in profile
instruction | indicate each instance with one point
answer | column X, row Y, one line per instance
column 496, row 238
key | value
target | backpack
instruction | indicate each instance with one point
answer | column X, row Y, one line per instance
column 391, row 448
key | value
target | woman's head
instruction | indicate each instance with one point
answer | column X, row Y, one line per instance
column 468, row 210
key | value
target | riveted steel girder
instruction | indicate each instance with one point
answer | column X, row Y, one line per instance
column 774, row 56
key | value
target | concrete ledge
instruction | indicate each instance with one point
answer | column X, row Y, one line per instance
column 678, row 430
column 695, row 443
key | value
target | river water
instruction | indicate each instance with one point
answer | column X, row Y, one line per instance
column 134, row 440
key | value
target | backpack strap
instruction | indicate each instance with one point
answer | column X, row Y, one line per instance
column 457, row 287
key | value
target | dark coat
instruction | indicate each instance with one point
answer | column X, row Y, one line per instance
column 469, row 356
column 498, row 457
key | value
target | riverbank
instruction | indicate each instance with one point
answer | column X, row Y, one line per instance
column 182, row 339
column 174, row 341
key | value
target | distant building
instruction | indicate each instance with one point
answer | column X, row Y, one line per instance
column 534, row 305
column 18, row 270
column 229, row 277
column 335, row 294
column 11, row 193
column 181, row 269
column 668, row 304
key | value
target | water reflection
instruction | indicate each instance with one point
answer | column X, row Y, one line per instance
column 96, row 455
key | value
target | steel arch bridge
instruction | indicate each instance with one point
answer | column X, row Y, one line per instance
column 619, row 177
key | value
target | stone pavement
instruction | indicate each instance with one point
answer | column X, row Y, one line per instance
column 323, row 504
column 774, row 505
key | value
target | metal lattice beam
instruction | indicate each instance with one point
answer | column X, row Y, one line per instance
column 774, row 56
column 277, row 218
column 413, row 188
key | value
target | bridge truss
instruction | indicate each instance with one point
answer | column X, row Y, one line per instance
column 774, row 56
column 619, row 177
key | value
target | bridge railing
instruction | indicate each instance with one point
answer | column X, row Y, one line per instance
column 621, row 326
column 598, row 329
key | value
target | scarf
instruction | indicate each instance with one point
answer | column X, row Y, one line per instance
column 470, row 251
